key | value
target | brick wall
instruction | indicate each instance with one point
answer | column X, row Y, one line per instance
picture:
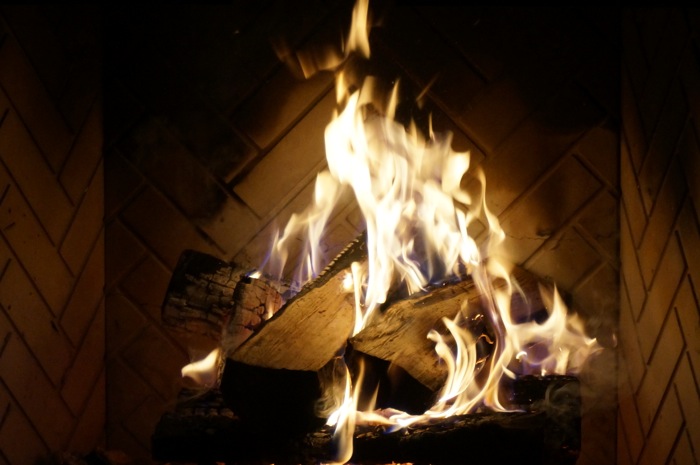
column 659, row 416
column 52, row 377
column 211, row 142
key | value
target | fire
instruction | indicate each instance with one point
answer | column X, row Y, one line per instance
column 204, row 372
column 417, row 214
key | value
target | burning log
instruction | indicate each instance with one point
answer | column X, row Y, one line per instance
column 313, row 326
column 199, row 297
column 546, row 432
column 398, row 333
column 216, row 299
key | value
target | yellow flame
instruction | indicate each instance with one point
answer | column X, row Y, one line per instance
column 417, row 214
column 205, row 371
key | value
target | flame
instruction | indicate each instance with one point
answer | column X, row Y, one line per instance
column 204, row 372
column 409, row 190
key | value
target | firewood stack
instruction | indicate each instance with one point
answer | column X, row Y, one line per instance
column 279, row 359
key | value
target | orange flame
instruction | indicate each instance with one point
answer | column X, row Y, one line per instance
column 417, row 215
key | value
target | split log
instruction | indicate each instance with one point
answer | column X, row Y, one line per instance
column 200, row 294
column 546, row 433
column 216, row 299
column 398, row 333
column 254, row 302
column 313, row 326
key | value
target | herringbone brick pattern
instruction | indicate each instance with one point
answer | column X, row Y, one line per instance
column 212, row 143
column 52, row 376
column 659, row 414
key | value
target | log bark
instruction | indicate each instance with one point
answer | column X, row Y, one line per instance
column 546, row 432
column 398, row 333
column 199, row 297
column 313, row 326
column 216, row 299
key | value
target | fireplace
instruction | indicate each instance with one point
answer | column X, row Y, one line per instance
column 583, row 119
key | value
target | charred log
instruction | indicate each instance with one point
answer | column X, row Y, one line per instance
column 546, row 433
column 216, row 299
column 200, row 294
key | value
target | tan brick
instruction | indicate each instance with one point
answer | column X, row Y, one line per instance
column 164, row 229
column 35, row 394
column 296, row 157
column 483, row 46
column 19, row 441
column 121, row 182
column 157, row 360
column 420, row 53
column 80, row 379
column 689, row 233
column 633, row 434
column 659, row 372
column 136, row 451
column 634, row 362
column 665, row 57
column 87, row 293
column 89, row 431
column 601, row 220
column 338, row 236
column 274, row 108
column 598, row 408
column 125, row 391
column 44, row 49
column 651, row 23
column 173, row 169
column 689, row 156
column 123, row 321
column 683, row 454
column 147, row 285
column 688, row 311
column 630, row 267
column 122, row 251
column 660, row 297
column 357, row 220
column 86, row 225
column 256, row 251
column 636, row 68
column 601, row 147
column 664, row 432
column 495, row 112
column 597, row 301
column 85, row 80
column 539, row 214
column 33, row 319
column 142, row 422
column 231, row 226
column 33, row 104
column 84, row 156
column 623, row 455
column 689, row 74
column 564, row 259
column 632, row 129
column 631, row 197
column 686, row 383
column 661, row 221
column 33, row 177
column 443, row 124
column 507, row 176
